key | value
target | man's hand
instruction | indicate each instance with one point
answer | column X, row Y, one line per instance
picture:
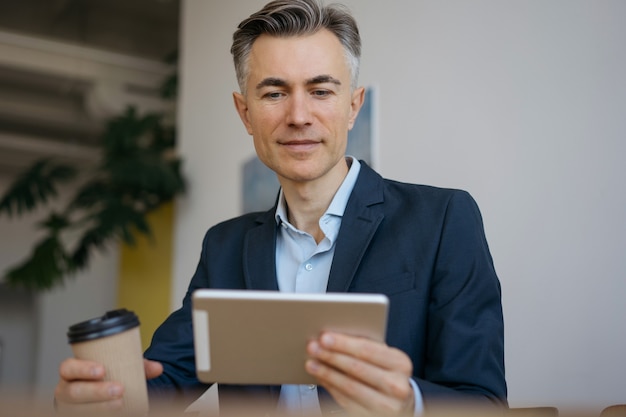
column 363, row 376
column 81, row 386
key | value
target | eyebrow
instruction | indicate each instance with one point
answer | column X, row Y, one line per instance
column 271, row 82
column 279, row 82
column 323, row 79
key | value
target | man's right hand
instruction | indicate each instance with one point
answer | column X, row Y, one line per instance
column 82, row 387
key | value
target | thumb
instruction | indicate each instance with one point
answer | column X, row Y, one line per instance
column 153, row 369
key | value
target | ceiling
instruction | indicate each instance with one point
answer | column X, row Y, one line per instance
column 37, row 110
column 143, row 28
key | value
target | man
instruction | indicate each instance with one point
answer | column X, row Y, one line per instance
column 297, row 66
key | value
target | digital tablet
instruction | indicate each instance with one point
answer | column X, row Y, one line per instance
column 260, row 337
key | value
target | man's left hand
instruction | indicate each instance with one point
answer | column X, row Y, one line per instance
column 363, row 376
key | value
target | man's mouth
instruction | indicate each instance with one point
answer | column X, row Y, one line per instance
column 300, row 144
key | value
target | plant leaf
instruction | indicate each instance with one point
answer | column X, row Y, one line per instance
column 45, row 268
column 114, row 219
column 35, row 186
column 55, row 223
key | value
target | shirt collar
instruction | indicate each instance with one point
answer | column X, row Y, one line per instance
column 339, row 202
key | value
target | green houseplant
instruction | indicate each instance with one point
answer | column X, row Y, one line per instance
column 136, row 173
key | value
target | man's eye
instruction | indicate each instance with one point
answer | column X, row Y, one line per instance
column 274, row 95
column 321, row 93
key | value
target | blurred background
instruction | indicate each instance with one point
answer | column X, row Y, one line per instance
column 68, row 64
column 67, row 68
column 521, row 103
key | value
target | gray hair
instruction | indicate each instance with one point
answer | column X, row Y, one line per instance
column 283, row 18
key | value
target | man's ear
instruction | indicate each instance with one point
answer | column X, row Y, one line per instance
column 358, row 96
column 241, row 105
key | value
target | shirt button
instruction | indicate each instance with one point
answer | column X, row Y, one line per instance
column 308, row 267
column 312, row 387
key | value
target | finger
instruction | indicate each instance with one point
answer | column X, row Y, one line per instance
column 153, row 369
column 353, row 394
column 76, row 392
column 73, row 369
column 394, row 382
column 389, row 383
column 369, row 350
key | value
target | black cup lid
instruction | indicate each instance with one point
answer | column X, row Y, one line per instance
column 113, row 322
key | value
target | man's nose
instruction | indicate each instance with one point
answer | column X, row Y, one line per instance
column 299, row 110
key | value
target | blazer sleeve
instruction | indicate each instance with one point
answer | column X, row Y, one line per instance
column 465, row 331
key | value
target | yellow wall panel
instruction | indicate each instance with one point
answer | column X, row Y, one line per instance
column 144, row 280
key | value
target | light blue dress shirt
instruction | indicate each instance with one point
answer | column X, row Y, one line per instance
column 303, row 266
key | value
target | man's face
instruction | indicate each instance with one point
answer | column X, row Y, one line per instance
column 298, row 106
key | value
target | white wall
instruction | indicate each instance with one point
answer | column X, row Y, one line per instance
column 18, row 338
column 522, row 104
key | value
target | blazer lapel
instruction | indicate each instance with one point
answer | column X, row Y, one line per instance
column 361, row 218
column 259, row 259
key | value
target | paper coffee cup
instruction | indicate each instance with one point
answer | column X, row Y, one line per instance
column 114, row 341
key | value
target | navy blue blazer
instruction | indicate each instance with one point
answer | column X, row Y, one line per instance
column 424, row 247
